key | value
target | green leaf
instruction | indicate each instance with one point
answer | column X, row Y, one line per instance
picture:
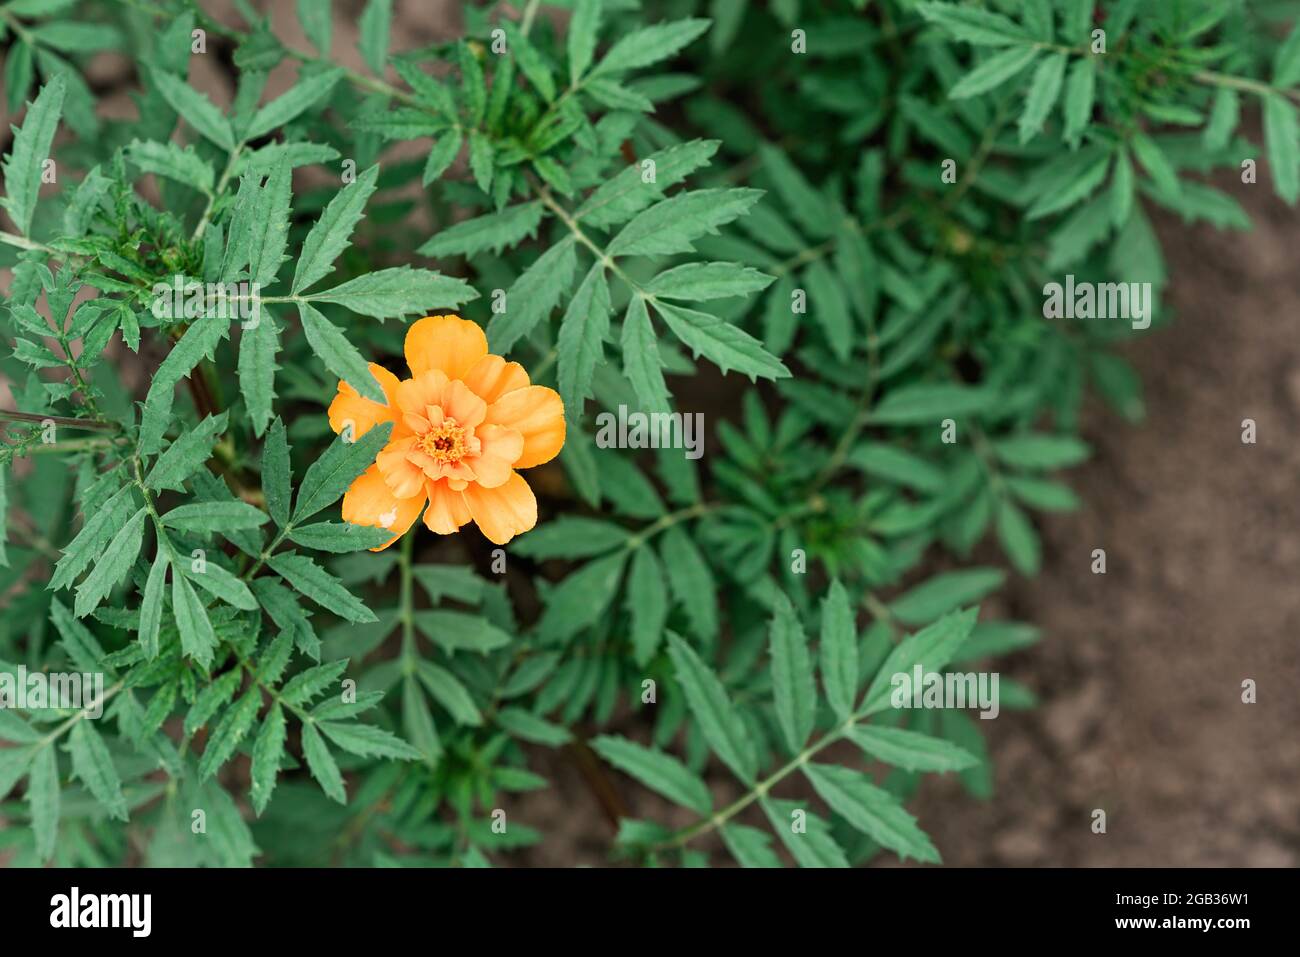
column 945, row 592
column 839, row 651
column 672, row 225
column 1018, row 538
column 448, row 691
column 173, row 161
column 317, row 22
column 1044, row 88
column 454, row 631
column 229, row 732
column 812, row 845
column 647, row 604
column 321, row 762
column 620, row 198
column 214, row 516
column 899, row 466
column 1040, row 451
column 330, row 234
column 268, row 755
column 1224, row 116
column 331, row 475
column 43, row 800
column 339, row 536
column 749, row 846
column 692, row 582
column 932, row 647
column 583, row 27
column 1282, row 137
column 258, row 348
column 22, row 168
column 195, row 108
column 911, row 750
column 572, row 536
column 199, row 342
column 375, row 23
column 368, row 741
column 725, row 345
column 112, row 565
column 830, row 308
column 662, row 773
column 702, row 281
column 529, row 727
column 320, row 586
column 530, row 61
column 535, row 293
column 993, row 72
column 808, row 206
column 579, row 600
column 277, row 479
column 338, row 353
column 300, row 98
column 581, row 340
column 218, row 582
column 642, row 363
column 481, row 159
column 1080, row 93
column 649, row 45
column 198, row 640
column 495, row 231
column 186, row 455
column 1156, row 163
column 924, row 404
column 792, row 675
column 717, row 717
column 1286, row 64
column 93, row 765
column 397, row 292
column 981, row 27
column 872, row 810
column 151, row 605
column 443, row 154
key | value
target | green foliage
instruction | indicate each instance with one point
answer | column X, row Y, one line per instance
column 828, row 227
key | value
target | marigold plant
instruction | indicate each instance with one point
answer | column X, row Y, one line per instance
column 820, row 232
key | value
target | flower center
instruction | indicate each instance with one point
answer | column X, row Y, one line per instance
column 446, row 443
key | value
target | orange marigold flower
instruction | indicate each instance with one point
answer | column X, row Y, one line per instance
column 463, row 424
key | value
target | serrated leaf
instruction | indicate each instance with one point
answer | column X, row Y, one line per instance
column 495, row 231
column 320, row 586
column 268, row 754
column 911, row 750
column 112, row 565
column 726, row 345
column 647, row 604
column 229, row 732
column 43, row 800
column 22, row 168
column 1282, row 138
column 173, row 161
column 258, row 348
column 331, row 475
column 795, row 695
column 579, row 600
column 338, row 354
column 713, row 710
column 1044, row 88
column 151, row 605
column 932, row 647
column 368, row 741
column 640, row 184
column 581, row 43
column 397, row 292
column 642, row 363
column 572, row 536
column 973, row 25
column 214, row 516
column 199, row 342
column 535, row 293
column 993, row 72
column 448, row 691
column 649, row 45
column 872, row 810
column 195, row 108
column 186, row 455
column 305, row 94
column 339, row 536
column 1080, row 93
column 839, row 651
column 703, row 281
column 581, row 342
column 1018, row 538
column 322, row 764
column 672, row 225
column 331, row 233
column 93, row 765
column 945, row 592
column 375, row 24
column 198, row 640
column 658, row 771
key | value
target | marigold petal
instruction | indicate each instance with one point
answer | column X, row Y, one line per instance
column 371, row 502
column 404, row 477
column 492, row 377
column 349, row 406
column 536, row 413
column 414, row 396
column 499, row 449
column 502, row 513
column 459, row 403
column 447, row 510
column 449, row 343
